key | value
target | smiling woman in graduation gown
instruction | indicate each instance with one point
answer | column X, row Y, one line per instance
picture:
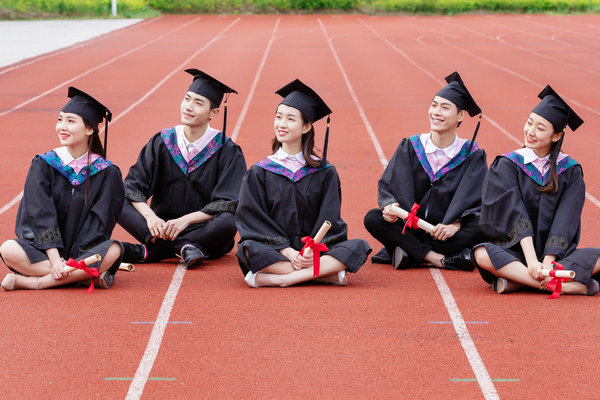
column 70, row 205
column 285, row 198
column 531, row 208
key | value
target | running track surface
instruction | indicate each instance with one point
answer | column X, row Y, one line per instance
column 166, row 333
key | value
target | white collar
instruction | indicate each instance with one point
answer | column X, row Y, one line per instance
column 207, row 136
column 282, row 155
column 430, row 147
column 65, row 156
column 530, row 156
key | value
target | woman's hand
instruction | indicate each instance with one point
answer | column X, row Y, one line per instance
column 535, row 270
column 388, row 215
column 298, row 262
column 172, row 228
column 57, row 269
column 443, row 232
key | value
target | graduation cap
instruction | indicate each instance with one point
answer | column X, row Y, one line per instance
column 456, row 92
column 207, row 86
column 556, row 111
column 301, row 97
column 89, row 108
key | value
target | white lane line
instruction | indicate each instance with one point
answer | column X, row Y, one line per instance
column 483, row 378
column 31, row 100
column 238, row 125
column 361, row 111
column 11, row 203
column 481, row 374
column 76, row 46
column 136, row 388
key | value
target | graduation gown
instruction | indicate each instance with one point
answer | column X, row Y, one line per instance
column 278, row 207
column 513, row 208
column 210, row 183
column 75, row 213
column 453, row 193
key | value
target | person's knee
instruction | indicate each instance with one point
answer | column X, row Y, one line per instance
column 373, row 219
column 226, row 224
column 482, row 258
column 10, row 252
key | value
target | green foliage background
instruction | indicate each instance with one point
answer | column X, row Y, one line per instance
column 11, row 9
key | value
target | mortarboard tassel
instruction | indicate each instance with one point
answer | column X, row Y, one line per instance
column 225, row 115
column 324, row 160
column 474, row 135
column 105, row 134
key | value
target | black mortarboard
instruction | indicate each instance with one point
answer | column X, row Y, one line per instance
column 207, row 86
column 89, row 108
column 299, row 96
column 556, row 111
column 457, row 93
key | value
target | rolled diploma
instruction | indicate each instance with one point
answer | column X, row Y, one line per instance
column 560, row 273
column 318, row 237
column 126, row 267
column 87, row 261
column 401, row 213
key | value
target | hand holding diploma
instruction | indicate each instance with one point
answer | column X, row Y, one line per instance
column 314, row 245
column 73, row 265
column 412, row 221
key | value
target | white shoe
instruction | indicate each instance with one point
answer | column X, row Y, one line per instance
column 339, row 280
column 251, row 279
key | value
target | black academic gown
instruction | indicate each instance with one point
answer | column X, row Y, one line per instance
column 278, row 208
column 513, row 208
column 209, row 183
column 452, row 194
column 60, row 210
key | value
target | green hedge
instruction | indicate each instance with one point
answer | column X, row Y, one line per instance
column 42, row 8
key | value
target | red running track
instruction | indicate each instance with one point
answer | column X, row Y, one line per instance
column 416, row 334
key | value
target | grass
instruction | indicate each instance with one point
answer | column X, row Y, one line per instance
column 23, row 9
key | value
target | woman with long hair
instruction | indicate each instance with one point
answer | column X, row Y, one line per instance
column 71, row 201
column 286, row 198
column 531, row 208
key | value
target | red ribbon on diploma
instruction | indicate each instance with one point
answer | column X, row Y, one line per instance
column 411, row 219
column 91, row 272
column 317, row 248
column 555, row 283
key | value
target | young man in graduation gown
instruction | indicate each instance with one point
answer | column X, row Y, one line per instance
column 443, row 175
column 192, row 173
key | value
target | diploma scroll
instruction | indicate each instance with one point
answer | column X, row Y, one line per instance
column 126, row 267
column 559, row 273
column 319, row 236
column 401, row 213
column 87, row 261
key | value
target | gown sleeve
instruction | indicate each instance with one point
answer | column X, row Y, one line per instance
column 504, row 218
column 566, row 224
column 141, row 179
column 37, row 219
column 252, row 218
column 225, row 195
column 397, row 184
column 466, row 200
